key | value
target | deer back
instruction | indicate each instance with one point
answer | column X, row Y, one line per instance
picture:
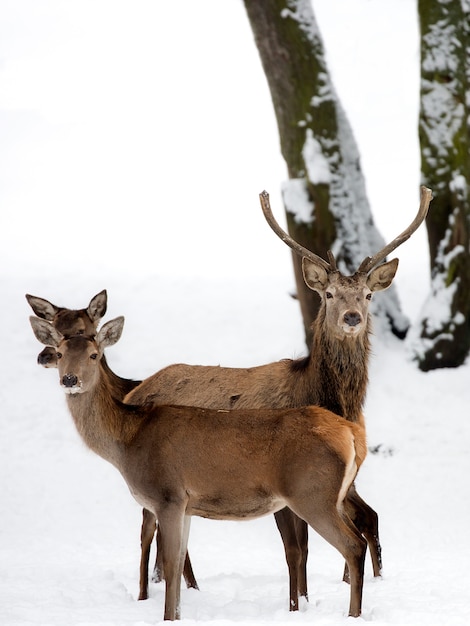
column 333, row 375
column 270, row 385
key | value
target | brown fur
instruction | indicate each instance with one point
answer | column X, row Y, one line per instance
column 334, row 375
column 184, row 461
column 70, row 322
column 78, row 322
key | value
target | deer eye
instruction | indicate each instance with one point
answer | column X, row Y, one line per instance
column 369, row 296
column 94, row 356
column 328, row 295
column 58, row 355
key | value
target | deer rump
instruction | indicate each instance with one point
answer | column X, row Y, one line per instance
column 242, row 464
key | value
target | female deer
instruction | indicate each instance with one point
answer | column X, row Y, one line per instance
column 242, row 464
column 85, row 322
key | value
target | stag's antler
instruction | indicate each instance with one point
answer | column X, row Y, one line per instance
column 369, row 262
column 296, row 247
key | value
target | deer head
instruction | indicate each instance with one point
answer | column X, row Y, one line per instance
column 80, row 376
column 345, row 299
column 68, row 321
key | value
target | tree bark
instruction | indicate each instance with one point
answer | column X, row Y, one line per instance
column 443, row 333
column 324, row 198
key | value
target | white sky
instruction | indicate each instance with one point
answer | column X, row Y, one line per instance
column 140, row 134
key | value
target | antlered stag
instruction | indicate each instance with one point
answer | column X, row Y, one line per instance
column 334, row 375
column 242, row 464
column 85, row 322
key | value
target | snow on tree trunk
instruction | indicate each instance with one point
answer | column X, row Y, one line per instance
column 442, row 336
column 324, row 198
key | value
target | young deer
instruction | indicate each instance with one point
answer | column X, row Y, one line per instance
column 242, row 464
column 334, row 375
column 68, row 321
column 85, row 322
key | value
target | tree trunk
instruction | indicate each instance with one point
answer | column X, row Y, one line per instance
column 324, row 198
column 444, row 124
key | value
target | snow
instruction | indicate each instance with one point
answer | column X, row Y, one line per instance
column 317, row 166
column 76, row 166
column 296, row 200
column 70, row 531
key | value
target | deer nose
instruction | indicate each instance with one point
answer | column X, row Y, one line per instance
column 69, row 380
column 352, row 318
column 48, row 357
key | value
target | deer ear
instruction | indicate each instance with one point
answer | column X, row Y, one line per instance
column 43, row 308
column 111, row 332
column 382, row 276
column 315, row 276
column 45, row 332
column 97, row 307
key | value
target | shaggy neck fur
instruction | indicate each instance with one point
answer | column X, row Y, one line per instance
column 339, row 369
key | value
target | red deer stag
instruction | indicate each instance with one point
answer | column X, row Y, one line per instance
column 85, row 322
column 334, row 375
column 242, row 464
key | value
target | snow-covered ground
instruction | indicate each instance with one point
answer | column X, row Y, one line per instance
column 69, row 530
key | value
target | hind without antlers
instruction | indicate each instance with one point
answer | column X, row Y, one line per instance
column 235, row 465
column 68, row 321
column 334, row 375
column 85, row 321
column 78, row 322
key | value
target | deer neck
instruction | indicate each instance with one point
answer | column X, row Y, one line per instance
column 119, row 386
column 105, row 424
column 340, row 371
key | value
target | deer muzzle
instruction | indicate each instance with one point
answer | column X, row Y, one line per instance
column 352, row 318
column 352, row 323
column 70, row 383
column 48, row 357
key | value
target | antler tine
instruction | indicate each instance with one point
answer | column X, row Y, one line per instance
column 369, row 262
column 332, row 260
column 296, row 247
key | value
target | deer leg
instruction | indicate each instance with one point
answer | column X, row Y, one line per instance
column 366, row 521
column 289, row 525
column 301, row 529
column 341, row 533
column 146, row 536
column 355, row 558
column 158, row 574
column 188, row 574
column 175, row 530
